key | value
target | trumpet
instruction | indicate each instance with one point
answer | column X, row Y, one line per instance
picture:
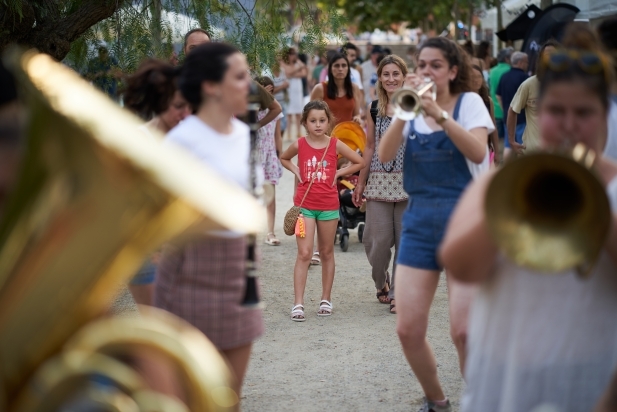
column 549, row 211
column 406, row 101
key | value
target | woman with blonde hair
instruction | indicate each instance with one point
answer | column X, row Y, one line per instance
column 381, row 184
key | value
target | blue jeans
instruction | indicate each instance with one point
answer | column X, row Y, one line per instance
column 520, row 129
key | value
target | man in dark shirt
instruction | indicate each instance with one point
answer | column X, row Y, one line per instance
column 508, row 85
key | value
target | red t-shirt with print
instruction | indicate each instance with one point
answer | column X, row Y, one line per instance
column 323, row 194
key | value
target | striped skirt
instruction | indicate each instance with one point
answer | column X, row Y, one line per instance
column 203, row 282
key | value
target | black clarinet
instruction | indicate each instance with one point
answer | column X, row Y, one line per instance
column 251, row 296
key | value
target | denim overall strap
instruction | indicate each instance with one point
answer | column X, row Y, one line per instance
column 434, row 168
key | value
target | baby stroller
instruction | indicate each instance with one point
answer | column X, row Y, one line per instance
column 351, row 217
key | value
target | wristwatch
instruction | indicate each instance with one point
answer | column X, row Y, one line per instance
column 444, row 116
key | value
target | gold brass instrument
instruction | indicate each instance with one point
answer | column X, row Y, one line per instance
column 406, row 101
column 549, row 212
column 95, row 196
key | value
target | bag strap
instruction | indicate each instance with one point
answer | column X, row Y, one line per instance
column 374, row 111
column 313, row 178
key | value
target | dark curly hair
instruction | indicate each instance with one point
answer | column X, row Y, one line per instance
column 205, row 63
column 151, row 88
column 455, row 56
column 332, row 91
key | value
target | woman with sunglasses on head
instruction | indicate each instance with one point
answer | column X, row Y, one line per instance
column 446, row 146
column 536, row 339
column 203, row 281
column 382, row 184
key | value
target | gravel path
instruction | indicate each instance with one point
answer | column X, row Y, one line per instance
column 351, row 361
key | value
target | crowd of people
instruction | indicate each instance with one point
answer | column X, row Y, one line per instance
column 523, row 339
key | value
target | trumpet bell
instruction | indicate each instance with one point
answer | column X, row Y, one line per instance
column 406, row 104
column 406, row 101
column 549, row 212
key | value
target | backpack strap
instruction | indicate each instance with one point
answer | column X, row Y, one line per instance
column 374, row 110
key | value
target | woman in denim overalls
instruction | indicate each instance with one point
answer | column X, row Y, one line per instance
column 440, row 146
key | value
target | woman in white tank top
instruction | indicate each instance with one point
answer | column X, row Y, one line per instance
column 534, row 340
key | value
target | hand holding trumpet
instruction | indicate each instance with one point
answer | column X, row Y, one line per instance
column 416, row 96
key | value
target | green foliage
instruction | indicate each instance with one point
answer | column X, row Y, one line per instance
column 135, row 31
column 381, row 14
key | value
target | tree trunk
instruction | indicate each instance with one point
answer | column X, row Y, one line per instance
column 470, row 18
column 545, row 3
column 155, row 10
column 499, row 22
column 456, row 14
column 52, row 32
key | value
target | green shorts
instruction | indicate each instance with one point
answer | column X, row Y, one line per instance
column 320, row 214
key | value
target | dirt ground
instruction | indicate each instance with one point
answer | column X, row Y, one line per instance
column 351, row 361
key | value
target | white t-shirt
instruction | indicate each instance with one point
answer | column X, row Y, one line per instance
column 472, row 114
column 355, row 78
column 226, row 154
column 611, row 144
column 368, row 69
column 537, row 338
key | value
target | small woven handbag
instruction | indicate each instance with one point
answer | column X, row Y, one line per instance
column 291, row 217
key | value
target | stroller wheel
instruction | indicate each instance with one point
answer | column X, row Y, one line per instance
column 344, row 242
column 360, row 232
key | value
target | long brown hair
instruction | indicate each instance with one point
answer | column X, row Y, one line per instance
column 483, row 92
column 455, row 56
column 382, row 96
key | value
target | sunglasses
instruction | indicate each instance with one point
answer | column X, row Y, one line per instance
column 589, row 62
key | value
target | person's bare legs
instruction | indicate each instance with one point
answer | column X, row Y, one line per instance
column 303, row 260
column 271, row 210
column 238, row 359
column 460, row 297
column 298, row 127
column 290, row 127
column 325, row 234
column 414, row 292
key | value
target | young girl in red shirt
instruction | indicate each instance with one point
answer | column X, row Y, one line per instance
column 320, row 208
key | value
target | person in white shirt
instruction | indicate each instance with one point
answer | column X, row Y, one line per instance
column 539, row 339
column 369, row 68
column 203, row 280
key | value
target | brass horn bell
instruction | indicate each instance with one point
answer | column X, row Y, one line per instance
column 549, row 212
column 95, row 196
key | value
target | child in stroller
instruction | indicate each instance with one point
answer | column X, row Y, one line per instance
column 350, row 216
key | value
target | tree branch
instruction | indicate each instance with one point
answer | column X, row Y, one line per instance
column 50, row 32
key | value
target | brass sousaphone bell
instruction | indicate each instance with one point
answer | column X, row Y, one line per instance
column 95, row 197
column 549, row 212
